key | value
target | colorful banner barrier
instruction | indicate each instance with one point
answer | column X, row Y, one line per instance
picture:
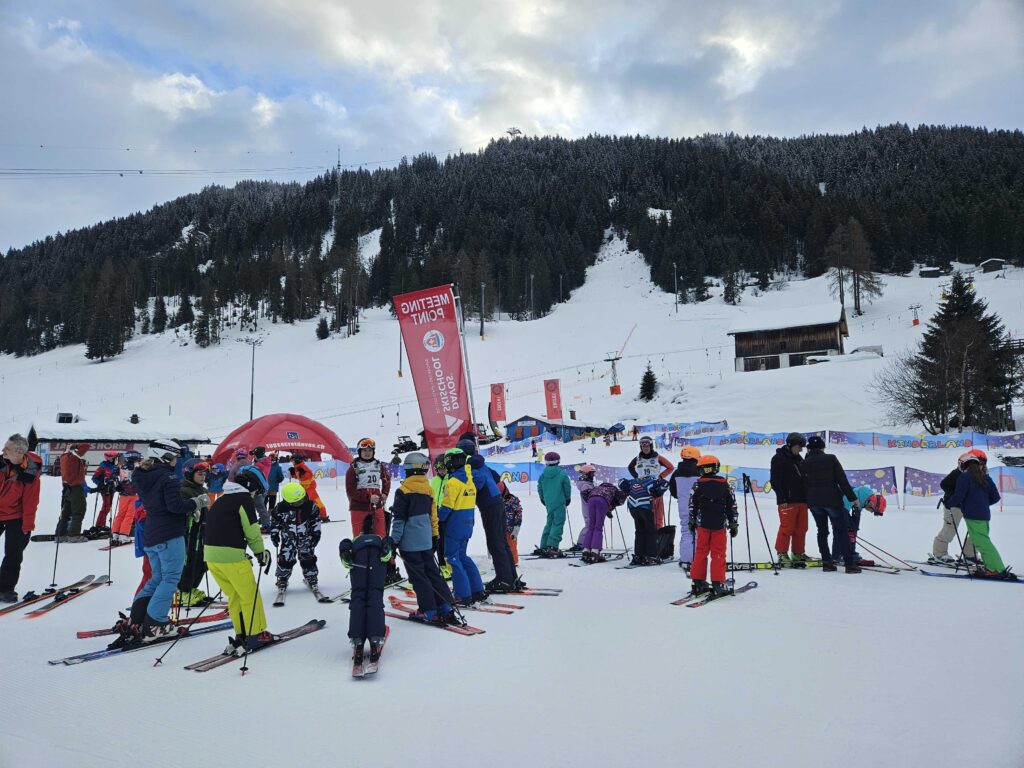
column 921, row 488
column 686, row 429
column 742, row 439
column 964, row 441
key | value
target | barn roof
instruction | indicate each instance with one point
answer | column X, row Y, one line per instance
column 780, row 319
column 118, row 429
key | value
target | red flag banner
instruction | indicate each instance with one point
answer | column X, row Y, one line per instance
column 498, row 402
column 430, row 332
column 553, row 398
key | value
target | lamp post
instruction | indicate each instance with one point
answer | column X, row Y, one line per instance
column 533, row 315
column 675, row 278
column 252, row 341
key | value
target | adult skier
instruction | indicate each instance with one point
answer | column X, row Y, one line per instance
column 367, row 485
column 413, row 531
column 687, row 468
column 295, row 532
column 826, row 484
column 72, row 475
column 163, row 543
column 712, row 511
column 787, row 481
column 974, row 494
column 649, row 463
column 232, row 523
column 19, row 499
column 555, row 492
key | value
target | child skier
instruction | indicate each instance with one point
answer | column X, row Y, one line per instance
column 640, row 493
column 105, row 479
column 555, row 493
column 366, row 558
column 975, row 492
column 680, row 485
column 193, row 475
column 513, row 519
column 712, row 510
column 232, row 523
column 413, row 531
column 295, row 532
column 600, row 500
column 866, row 499
column 456, row 514
column 437, row 489
column 216, row 476
column 126, row 498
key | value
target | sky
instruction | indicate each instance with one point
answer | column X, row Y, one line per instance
column 193, row 93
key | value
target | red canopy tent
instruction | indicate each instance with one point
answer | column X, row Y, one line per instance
column 285, row 432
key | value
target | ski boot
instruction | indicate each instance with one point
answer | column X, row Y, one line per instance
column 699, row 587
column 587, row 557
column 798, row 560
column 828, row 565
column 718, row 588
column 128, row 634
column 476, row 597
column 465, row 602
column 784, row 560
column 376, row 646
column 499, row 587
column 597, row 557
column 235, row 646
column 9, row 597
column 262, row 640
column 154, row 631
column 519, row 584
column 853, row 568
column 357, row 658
column 941, row 560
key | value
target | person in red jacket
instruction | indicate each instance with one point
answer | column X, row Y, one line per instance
column 104, row 479
column 648, row 463
column 19, row 499
column 367, row 483
column 72, row 500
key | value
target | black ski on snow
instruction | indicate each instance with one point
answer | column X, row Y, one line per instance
column 61, row 598
column 629, row 567
column 973, row 577
column 368, row 667
column 279, row 600
column 607, row 559
column 221, row 659
column 713, row 598
column 320, row 596
column 63, row 539
column 691, row 595
column 107, row 652
column 31, row 597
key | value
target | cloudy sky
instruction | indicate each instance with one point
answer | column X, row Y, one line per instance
column 210, row 91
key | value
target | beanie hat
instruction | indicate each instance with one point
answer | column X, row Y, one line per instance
column 551, row 458
column 816, row 443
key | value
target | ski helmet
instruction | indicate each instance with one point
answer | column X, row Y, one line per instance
column 552, row 459
column 876, row 503
column 587, row 471
column 689, row 452
column 259, row 451
column 439, row 463
column 110, row 455
column 131, row 458
column 250, row 471
column 293, row 492
column 982, row 456
column 164, row 450
column 195, row 465
column 708, row 464
column 298, row 458
column 241, row 453
column 454, row 458
column 367, row 442
column 967, row 458
column 218, row 468
column 416, row 464
column 795, row 438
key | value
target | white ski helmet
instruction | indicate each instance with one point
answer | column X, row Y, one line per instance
column 164, row 450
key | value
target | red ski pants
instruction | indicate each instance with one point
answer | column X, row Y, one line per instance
column 101, row 518
column 147, row 573
column 713, row 542
column 792, row 528
column 658, row 510
column 360, row 515
column 125, row 517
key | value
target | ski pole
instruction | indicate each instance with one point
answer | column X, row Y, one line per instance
column 746, row 523
column 252, row 616
column 95, row 503
column 624, row 545
column 963, row 554
column 160, row 660
column 890, row 554
column 732, row 565
column 748, row 489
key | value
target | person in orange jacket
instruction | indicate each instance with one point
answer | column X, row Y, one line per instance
column 300, row 471
column 19, row 498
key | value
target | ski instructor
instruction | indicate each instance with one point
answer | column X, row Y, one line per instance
column 19, row 498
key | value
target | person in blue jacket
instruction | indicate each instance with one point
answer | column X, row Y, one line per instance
column 215, row 480
column 164, row 542
column 413, row 527
column 974, row 493
column 456, row 513
column 274, row 480
column 492, row 515
column 866, row 499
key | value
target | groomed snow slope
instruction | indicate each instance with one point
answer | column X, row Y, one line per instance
column 810, row 668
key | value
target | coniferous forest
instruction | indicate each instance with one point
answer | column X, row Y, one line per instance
column 737, row 208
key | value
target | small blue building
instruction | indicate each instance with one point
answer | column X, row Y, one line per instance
column 565, row 430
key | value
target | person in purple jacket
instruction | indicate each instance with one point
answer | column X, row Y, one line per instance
column 600, row 500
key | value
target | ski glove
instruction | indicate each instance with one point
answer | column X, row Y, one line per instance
column 609, row 514
column 264, row 558
column 734, row 528
column 275, row 540
column 202, row 502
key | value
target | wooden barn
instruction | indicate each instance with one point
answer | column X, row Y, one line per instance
column 992, row 265
column 787, row 337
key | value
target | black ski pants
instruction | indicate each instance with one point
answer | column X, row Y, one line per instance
column 14, row 548
column 645, row 534
column 431, row 589
column 366, row 609
column 72, row 511
column 493, row 518
column 195, row 562
column 839, row 518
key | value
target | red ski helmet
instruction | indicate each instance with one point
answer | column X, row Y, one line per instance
column 876, row 503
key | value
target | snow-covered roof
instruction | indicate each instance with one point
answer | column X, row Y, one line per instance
column 790, row 317
column 114, row 429
column 575, row 424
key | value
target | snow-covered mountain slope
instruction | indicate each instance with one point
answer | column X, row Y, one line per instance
column 808, row 668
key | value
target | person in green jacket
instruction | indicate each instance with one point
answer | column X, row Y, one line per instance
column 437, row 487
column 555, row 493
column 231, row 523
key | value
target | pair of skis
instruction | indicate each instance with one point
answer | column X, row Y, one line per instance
column 60, row 596
column 691, row 600
column 223, row 659
column 368, row 666
column 485, row 606
column 183, row 622
column 403, row 610
column 320, row 596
